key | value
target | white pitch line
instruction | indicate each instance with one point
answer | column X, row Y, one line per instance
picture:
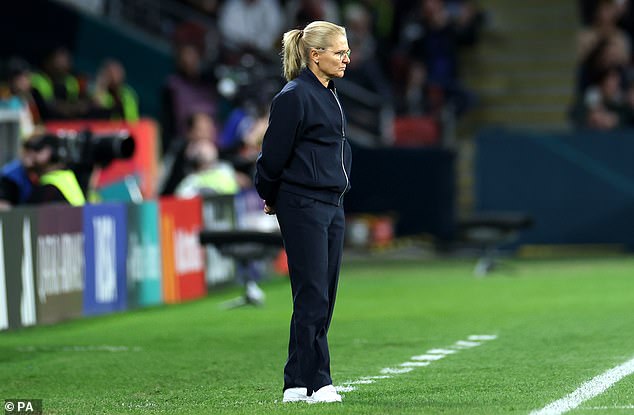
column 414, row 364
column 345, row 389
column 441, row 351
column 428, row 357
column 396, row 371
column 480, row 337
column 418, row 361
column 590, row 389
column 464, row 344
column 360, row 382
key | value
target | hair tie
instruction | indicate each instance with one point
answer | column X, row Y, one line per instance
column 301, row 32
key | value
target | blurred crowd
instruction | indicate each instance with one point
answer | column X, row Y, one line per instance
column 226, row 71
column 604, row 87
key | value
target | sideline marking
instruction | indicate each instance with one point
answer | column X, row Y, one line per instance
column 590, row 389
column 422, row 360
column 428, row 357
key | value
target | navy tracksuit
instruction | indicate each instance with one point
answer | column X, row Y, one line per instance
column 303, row 172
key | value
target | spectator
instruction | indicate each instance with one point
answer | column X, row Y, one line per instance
column 301, row 12
column 17, row 94
column 200, row 127
column 202, row 33
column 56, row 91
column 251, row 25
column 606, row 54
column 40, row 175
column 364, row 70
column 418, row 97
column 210, row 175
column 604, row 26
column 603, row 105
column 113, row 95
column 435, row 37
column 186, row 92
column 383, row 18
column 241, row 138
column 54, row 182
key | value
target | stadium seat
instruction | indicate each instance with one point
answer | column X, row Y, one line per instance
column 416, row 131
column 489, row 231
column 245, row 246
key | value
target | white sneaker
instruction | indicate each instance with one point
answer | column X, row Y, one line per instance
column 254, row 294
column 295, row 395
column 325, row 394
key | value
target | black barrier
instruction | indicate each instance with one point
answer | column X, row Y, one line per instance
column 417, row 185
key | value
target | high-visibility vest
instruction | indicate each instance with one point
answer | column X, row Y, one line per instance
column 129, row 100
column 66, row 182
column 44, row 85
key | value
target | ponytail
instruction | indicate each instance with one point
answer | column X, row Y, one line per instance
column 292, row 52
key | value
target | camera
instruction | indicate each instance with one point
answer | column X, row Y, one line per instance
column 84, row 148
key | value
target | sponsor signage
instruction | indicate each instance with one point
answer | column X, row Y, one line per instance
column 17, row 268
column 182, row 260
column 144, row 255
column 60, row 271
column 105, row 245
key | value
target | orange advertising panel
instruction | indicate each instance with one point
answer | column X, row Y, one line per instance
column 182, row 256
column 143, row 164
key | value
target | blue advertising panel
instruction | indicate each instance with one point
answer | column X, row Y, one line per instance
column 106, row 244
column 144, row 255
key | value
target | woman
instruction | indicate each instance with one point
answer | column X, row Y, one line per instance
column 303, row 174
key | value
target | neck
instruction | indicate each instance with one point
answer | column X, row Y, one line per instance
column 323, row 78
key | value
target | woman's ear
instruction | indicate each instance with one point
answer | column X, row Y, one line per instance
column 314, row 56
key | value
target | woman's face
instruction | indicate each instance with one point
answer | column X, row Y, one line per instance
column 334, row 59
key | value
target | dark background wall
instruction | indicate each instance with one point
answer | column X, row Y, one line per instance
column 416, row 185
column 579, row 187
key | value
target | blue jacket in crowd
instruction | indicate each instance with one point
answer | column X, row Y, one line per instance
column 305, row 150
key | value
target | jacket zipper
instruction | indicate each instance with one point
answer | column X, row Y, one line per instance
column 343, row 139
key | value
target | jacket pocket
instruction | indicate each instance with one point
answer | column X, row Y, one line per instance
column 313, row 160
column 296, row 201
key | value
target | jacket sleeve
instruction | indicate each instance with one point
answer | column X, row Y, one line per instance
column 285, row 121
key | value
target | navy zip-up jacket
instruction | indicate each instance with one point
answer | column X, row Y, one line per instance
column 305, row 150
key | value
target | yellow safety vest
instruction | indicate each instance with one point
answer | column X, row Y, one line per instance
column 44, row 85
column 129, row 100
column 67, row 183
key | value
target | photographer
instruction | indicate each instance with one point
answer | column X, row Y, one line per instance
column 40, row 175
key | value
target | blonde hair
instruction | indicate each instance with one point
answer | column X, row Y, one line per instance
column 297, row 43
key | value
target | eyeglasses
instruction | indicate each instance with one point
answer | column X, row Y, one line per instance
column 340, row 53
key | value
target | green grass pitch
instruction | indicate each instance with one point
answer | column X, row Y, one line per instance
column 558, row 322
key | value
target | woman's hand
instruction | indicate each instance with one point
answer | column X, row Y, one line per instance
column 269, row 210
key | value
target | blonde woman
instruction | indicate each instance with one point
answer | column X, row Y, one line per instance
column 303, row 173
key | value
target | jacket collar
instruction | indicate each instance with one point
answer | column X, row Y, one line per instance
column 308, row 75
